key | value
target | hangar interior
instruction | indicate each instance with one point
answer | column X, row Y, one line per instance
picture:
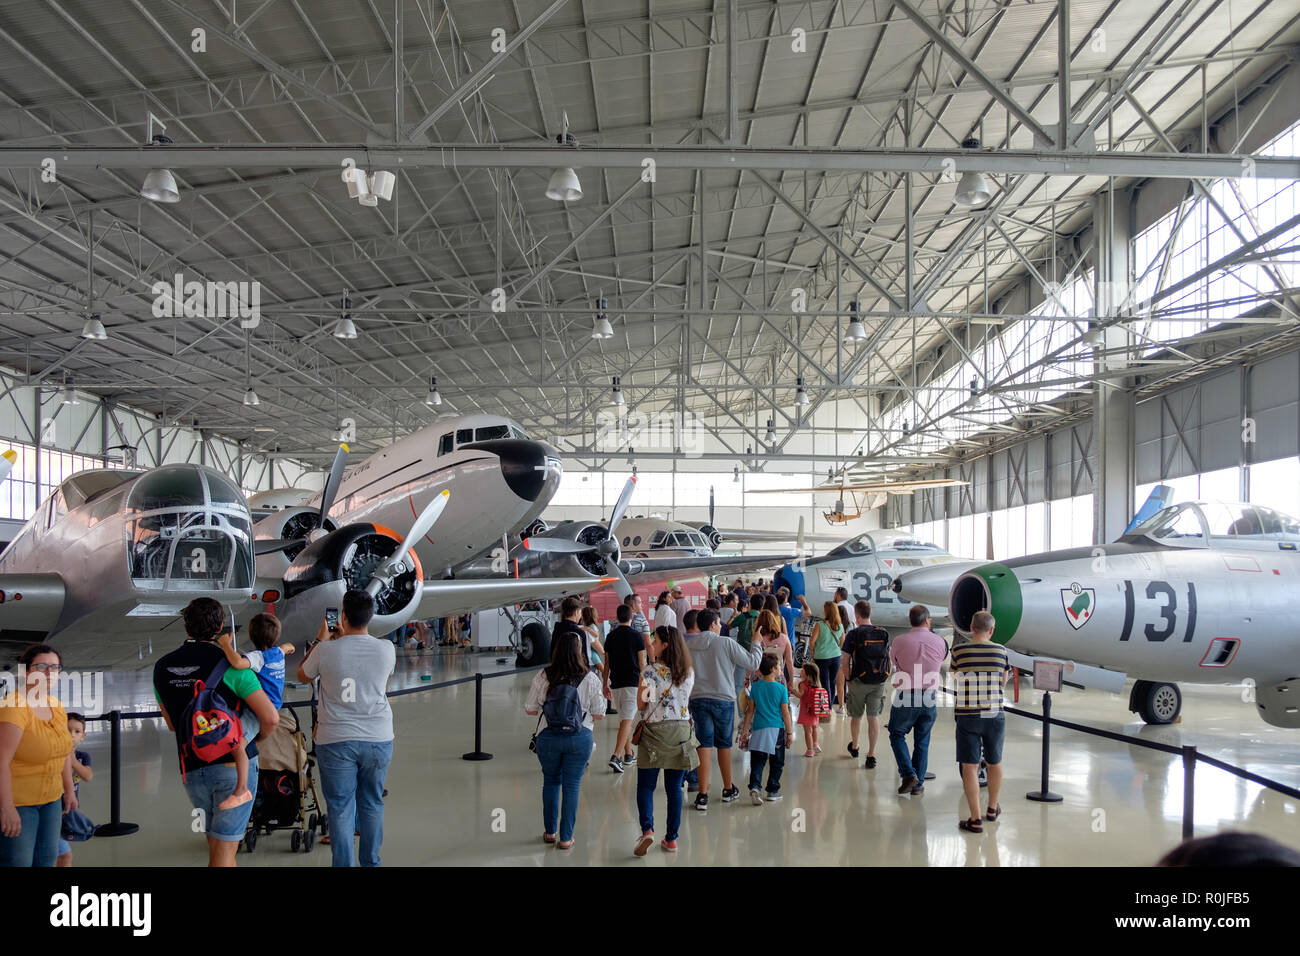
column 1043, row 251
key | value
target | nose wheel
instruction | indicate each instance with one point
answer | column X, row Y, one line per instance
column 1155, row 702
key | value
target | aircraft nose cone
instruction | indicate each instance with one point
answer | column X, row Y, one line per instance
column 931, row 585
column 531, row 469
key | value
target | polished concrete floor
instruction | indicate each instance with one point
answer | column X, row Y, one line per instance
column 1122, row 803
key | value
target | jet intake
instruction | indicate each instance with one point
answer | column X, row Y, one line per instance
column 969, row 595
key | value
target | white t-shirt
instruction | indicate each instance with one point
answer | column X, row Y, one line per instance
column 590, row 694
column 357, row 709
column 665, row 616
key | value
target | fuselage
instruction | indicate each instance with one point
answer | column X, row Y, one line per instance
column 130, row 549
column 866, row 566
column 1182, row 598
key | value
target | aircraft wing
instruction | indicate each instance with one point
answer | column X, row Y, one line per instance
column 444, row 598
column 30, row 602
column 737, row 535
column 890, row 487
column 653, row 568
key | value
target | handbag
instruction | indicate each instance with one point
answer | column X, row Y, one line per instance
column 640, row 724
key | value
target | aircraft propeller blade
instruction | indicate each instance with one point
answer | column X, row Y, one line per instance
column 332, row 482
column 557, row 546
column 432, row 511
column 798, row 546
column 7, row 462
column 622, row 588
column 274, row 544
column 710, row 504
column 621, row 505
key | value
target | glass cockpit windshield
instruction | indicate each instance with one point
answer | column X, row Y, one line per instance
column 1203, row 524
column 188, row 530
column 862, row 544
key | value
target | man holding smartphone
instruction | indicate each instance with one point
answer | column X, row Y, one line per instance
column 354, row 730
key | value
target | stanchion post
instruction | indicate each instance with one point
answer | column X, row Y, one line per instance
column 477, row 753
column 1043, row 795
column 115, row 827
column 1189, row 789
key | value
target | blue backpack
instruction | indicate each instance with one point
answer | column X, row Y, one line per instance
column 563, row 709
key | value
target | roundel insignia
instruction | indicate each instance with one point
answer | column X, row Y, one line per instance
column 1078, row 603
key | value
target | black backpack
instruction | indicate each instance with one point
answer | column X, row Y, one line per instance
column 563, row 708
column 870, row 654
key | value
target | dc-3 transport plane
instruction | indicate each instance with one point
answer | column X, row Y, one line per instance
column 1200, row 592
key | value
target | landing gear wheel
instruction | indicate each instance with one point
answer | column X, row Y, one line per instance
column 308, row 841
column 1156, row 703
column 250, row 841
column 295, row 840
column 534, row 645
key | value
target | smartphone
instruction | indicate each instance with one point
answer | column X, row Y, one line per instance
column 332, row 618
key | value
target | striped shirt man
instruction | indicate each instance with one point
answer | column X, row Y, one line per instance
column 979, row 670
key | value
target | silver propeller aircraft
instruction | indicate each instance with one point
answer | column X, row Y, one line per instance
column 183, row 531
column 867, row 566
column 1200, row 592
column 111, row 557
column 655, row 547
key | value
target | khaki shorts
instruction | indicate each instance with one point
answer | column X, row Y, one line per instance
column 625, row 702
column 866, row 699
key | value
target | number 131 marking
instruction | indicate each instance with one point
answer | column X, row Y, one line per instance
column 1166, row 597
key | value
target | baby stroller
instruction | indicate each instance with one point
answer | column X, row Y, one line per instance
column 286, row 789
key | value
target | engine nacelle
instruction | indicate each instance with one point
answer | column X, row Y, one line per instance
column 1279, row 705
column 288, row 524
column 342, row 560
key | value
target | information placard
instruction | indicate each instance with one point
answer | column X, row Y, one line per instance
column 1047, row 675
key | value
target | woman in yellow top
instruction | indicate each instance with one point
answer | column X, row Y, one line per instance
column 35, row 764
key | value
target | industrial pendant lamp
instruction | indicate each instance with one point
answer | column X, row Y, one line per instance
column 433, row 399
column 856, row 332
column 94, row 329
column 159, row 185
column 346, row 328
column 972, row 188
column 800, row 393
column 602, row 329
column 564, row 185
column 250, row 394
column 770, row 435
column 617, row 399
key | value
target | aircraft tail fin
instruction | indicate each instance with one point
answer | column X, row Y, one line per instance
column 1159, row 498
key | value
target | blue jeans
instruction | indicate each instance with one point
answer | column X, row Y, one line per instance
column 646, row 781
column 38, row 842
column 208, row 786
column 564, row 760
column 352, row 774
column 918, row 720
column 775, row 762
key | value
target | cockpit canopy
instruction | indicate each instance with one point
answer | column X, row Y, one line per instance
column 873, row 541
column 1214, row 524
column 188, row 529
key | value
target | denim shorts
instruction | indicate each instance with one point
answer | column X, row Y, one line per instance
column 715, row 722
column 207, row 787
column 981, row 733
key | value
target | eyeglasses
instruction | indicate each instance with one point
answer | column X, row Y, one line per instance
column 44, row 667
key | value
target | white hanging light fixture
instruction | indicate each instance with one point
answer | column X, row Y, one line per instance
column 346, row 328
column 856, row 332
column 800, row 393
column 770, row 436
column 564, row 185
column 434, row 398
column 250, row 397
column 159, row 185
column 67, row 396
column 617, row 399
column 602, row 329
column 735, row 473
column 972, row 188
column 94, row 329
